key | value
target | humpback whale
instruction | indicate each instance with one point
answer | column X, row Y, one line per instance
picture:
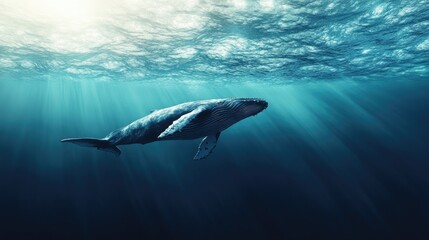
column 199, row 119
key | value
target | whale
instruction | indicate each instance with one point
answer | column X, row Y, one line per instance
column 204, row 119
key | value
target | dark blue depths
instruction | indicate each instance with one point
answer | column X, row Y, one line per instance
column 326, row 160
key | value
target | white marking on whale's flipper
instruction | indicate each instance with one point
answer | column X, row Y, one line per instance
column 180, row 123
column 206, row 146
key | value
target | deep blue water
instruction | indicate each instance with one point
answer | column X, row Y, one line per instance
column 342, row 152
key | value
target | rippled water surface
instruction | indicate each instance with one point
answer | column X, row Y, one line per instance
column 342, row 151
column 194, row 40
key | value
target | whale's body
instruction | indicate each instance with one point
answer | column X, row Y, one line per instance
column 191, row 120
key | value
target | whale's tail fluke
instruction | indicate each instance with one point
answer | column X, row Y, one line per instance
column 100, row 144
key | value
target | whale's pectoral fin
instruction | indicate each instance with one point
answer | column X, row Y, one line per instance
column 206, row 146
column 180, row 123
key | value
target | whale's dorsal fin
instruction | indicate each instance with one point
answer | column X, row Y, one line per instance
column 206, row 146
column 180, row 123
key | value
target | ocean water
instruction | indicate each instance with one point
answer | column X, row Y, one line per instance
column 342, row 151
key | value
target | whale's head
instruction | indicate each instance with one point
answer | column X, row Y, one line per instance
column 245, row 107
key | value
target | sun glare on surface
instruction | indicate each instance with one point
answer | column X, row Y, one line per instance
column 65, row 8
column 55, row 12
